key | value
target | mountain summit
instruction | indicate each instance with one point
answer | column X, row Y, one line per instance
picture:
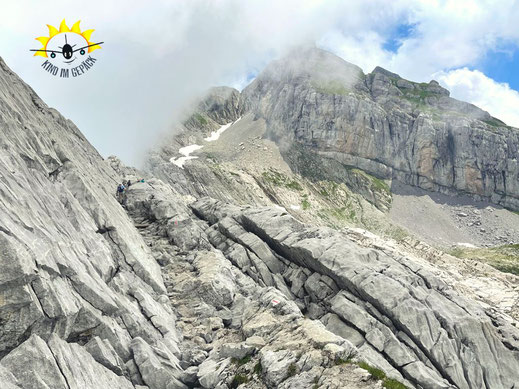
column 387, row 126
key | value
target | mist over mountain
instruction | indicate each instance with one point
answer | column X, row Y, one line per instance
column 322, row 227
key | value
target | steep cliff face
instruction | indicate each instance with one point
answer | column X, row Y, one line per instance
column 80, row 292
column 385, row 125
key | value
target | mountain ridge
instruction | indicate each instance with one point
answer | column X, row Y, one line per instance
column 408, row 131
column 381, row 123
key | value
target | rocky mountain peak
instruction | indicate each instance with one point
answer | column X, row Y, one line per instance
column 311, row 66
column 386, row 125
column 387, row 73
column 221, row 104
column 197, row 277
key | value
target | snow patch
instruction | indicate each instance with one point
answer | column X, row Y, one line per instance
column 216, row 134
column 185, row 151
column 295, row 207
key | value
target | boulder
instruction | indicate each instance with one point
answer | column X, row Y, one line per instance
column 277, row 366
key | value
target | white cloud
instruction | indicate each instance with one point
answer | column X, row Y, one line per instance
column 446, row 34
column 158, row 55
column 155, row 59
column 363, row 49
column 471, row 85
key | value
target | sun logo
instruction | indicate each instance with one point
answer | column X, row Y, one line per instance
column 70, row 43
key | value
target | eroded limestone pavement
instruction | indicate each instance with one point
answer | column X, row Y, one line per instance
column 234, row 328
column 262, row 300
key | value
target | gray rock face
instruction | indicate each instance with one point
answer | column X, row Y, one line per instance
column 77, row 283
column 229, row 317
column 402, row 318
column 58, row 364
column 385, row 125
column 158, row 370
column 278, row 364
column 222, row 104
column 103, row 352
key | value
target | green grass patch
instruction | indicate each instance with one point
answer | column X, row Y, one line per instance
column 507, row 268
column 504, row 258
column 292, row 370
column 328, row 188
column 305, row 204
column 242, row 361
column 294, row 185
column 375, row 373
column 274, row 177
column 377, row 183
column 200, row 119
column 495, row 122
column 278, row 179
column 238, row 380
column 332, row 87
column 418, row 94
column 390, row 383
column 380, row 184
column 258, row 369
column 340, row 361
column 397, row 233
column 379, row 375
column 341, row 214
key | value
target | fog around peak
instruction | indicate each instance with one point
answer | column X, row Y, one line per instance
column 159, row 56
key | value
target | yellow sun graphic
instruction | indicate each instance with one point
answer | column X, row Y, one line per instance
column 53, row 31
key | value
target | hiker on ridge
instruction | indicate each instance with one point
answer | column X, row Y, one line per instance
column 120, row 192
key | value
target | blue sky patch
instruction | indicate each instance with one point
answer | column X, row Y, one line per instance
column 397, row 37
column 251, row 75
column 502, row 65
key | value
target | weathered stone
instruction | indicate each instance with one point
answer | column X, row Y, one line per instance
column 215, row 282
column 255, row 341
column 157, row 368
column 103, row 352
column 260, row 324
column 210, row 372
column 190, row 376
column 337, row 326
column 277, row 365
column 80, row 289
column 70, row 255
column 236, row 350
column 7, row 379
column 58, row 364
column 384, row 125
column 381, row 294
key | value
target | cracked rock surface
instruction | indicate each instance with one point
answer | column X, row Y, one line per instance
column 402, row 317
column 80, row 291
